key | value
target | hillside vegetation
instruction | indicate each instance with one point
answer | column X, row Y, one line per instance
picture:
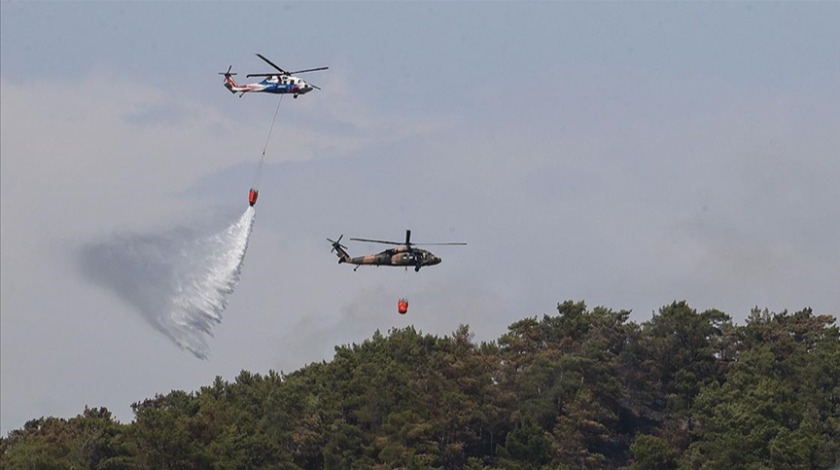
column 583, row 389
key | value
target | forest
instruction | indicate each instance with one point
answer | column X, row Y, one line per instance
column 582, row 389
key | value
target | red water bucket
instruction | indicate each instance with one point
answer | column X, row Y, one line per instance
column 402, row 306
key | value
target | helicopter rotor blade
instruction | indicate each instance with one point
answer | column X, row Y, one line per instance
column 308, row 70
column 407, row 241
column 387, row 242
column 272, row 64
column 447, row 243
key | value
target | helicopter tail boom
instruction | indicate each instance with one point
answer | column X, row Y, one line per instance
column 231, row 84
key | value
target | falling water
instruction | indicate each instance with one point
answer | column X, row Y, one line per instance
column 203, row 291
column 180, row 282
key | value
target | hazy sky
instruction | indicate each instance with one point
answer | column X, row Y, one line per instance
column 624, row 154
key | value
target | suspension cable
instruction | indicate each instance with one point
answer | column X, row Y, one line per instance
column 258, row 174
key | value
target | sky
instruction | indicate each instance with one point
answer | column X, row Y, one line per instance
column 626, row 154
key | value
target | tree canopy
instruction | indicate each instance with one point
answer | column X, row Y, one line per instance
column 582, row 389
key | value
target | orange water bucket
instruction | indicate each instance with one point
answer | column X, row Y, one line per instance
column 402, row 306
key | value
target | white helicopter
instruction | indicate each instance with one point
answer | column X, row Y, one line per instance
column 281, row 83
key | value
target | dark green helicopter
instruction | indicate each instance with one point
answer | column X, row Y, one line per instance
column 403, row 254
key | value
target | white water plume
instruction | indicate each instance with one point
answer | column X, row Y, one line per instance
column 180, row 282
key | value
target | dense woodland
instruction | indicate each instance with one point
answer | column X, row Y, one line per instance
column 583, row 389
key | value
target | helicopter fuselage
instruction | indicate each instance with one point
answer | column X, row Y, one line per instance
column 278, row 85
column 400, row 256
column 281, row 82
column 403, row 254
column 284, row 85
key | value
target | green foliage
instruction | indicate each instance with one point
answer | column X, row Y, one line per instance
column 652, row 453
column 781, row 400
column 584, row 388
column 91, row 440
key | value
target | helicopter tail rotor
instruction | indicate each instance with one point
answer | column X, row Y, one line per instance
column 339, row 249
column 228, row 73
column 230, row 84
column 337, row 243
